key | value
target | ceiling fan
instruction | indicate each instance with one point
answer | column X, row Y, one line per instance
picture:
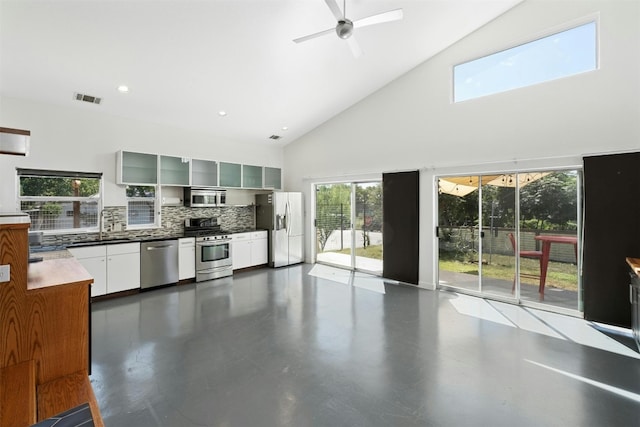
column 345, row 26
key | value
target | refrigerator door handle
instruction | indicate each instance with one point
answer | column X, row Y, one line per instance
column 287, row 212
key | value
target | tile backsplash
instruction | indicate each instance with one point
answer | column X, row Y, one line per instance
column 115, row 217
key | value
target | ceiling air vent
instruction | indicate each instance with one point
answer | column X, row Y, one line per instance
column 87, row 98
column 275, row 137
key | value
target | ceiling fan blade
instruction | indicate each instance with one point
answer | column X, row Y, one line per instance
column 354, row 46
column 335, row 9
column 392, row 15
column 313, row 36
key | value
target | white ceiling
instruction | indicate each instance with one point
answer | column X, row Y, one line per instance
column 186, row 60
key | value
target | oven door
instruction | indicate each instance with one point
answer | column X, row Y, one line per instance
column 213, row 254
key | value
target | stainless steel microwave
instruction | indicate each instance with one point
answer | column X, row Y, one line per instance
column 204, row 197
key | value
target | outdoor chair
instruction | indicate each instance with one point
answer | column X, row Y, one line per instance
column 523, row 254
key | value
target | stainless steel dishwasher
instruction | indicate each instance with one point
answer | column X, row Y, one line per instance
column 158, row 263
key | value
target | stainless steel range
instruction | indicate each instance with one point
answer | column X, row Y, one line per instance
column 213, row 248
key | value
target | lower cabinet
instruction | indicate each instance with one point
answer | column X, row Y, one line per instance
column 259, row 248
column 123, row 267
column 249, row 249
column 186, row 258
column 114, row 268
column 97, row 268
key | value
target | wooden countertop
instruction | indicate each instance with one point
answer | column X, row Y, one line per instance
column 55, row 272
column 634, row 263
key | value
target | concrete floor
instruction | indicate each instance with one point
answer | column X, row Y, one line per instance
column 282, row 347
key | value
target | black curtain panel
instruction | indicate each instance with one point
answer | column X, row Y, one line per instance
column 400, row 239
column 611, row 233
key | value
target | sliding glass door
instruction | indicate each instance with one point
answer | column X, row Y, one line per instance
column 498, row 213
column 333, row 224
column 512, row 236
column 348, row 224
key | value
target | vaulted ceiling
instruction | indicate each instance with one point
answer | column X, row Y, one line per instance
column 185, row 61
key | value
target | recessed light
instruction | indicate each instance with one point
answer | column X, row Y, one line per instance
column 123, row 89
column 222, row 113
column 284, row 128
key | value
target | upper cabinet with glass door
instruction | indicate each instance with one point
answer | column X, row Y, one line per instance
column 230, row 175
column 272, row 178
column 137, row 168
column 175, row 171
column 251, row 176
column 204, row 173
column 152, row 169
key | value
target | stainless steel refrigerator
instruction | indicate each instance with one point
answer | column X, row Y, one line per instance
column 281, row 213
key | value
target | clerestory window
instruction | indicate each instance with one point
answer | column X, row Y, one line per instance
column 562, row 54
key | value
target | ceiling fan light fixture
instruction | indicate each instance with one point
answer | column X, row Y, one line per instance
column 344, row 29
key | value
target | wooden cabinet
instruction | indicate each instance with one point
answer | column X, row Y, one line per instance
column 114, row 268
column 175, row 171
column 204, row 173
column 272, row 178
column 230, row 175
column 251, row 176
column 186, row 258
column 45, row 332
column 136, row 168
column 249, row 249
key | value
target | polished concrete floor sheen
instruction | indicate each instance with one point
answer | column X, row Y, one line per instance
column 282, row 347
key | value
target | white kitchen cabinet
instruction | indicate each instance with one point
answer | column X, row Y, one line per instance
column 249, row 249
column 175, row 171
column 114, row 268
column 251, row 176
column 137, row 168
column 186, row 258
column 97, row 270
column 94, row 260
column 123, row 267
column 272, row 178
column 204, row 173
column 230, row 175
column 259, row 248
column 241, row 250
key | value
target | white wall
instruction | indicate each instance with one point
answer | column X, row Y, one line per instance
column 83, row 139
column 412, row 123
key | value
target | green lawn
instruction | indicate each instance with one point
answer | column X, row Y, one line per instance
column 374, row 252
column 559, row 274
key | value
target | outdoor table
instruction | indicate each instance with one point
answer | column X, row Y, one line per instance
column 547, row 240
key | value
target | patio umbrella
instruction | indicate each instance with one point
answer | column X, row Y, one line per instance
column 463, row 185
column 509, row 180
